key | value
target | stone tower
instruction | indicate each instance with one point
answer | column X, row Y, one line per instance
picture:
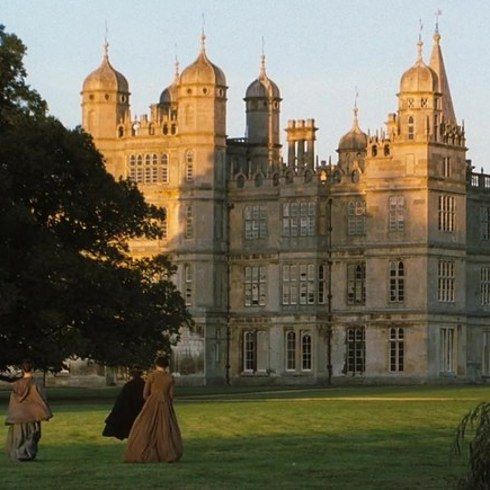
column 263, row 102
column 201, row 95
column 105, row 107
column 417, row 169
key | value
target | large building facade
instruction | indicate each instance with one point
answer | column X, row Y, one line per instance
column 374, row 267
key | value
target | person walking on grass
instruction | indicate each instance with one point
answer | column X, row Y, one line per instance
column 27, row 408
column 155, row 435
column 128, row 405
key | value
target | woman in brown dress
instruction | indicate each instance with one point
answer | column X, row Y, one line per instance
column 155, row 435
column 27, row 407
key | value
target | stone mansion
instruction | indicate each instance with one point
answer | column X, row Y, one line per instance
column 374, row 267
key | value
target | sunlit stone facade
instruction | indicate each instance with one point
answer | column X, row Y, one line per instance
column 297, row 270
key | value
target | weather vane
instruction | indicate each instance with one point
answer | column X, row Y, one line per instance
column 106, row 42
column 438, row 14
column 176, row 61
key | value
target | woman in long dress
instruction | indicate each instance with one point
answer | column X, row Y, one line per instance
column 155, row 435
column 27, row 408
column 128, row 405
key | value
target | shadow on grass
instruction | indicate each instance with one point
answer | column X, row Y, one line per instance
column 108, row 394
column 365, row 460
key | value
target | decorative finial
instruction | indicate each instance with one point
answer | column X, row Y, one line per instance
column 438, row 14
column 262, row 59
column 355, row 124
column 106, row 42
column 420, row 44
column 176, row 76
column 203, row 36
column 437, row 36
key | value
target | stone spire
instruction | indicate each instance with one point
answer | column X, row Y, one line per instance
column 437, row 64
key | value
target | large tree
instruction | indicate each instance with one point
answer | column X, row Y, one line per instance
column 68, row 285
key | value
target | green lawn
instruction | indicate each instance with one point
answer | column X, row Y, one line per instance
column 357, row 437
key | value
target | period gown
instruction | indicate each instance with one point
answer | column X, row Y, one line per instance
column 126, row 408
column 27, row 408
column 155, row 436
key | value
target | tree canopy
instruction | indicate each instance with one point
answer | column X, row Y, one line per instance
column 68, row 284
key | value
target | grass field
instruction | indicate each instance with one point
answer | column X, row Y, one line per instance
column 342, row 438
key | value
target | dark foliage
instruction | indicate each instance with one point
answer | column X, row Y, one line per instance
column 477, row 423
column 68, row 285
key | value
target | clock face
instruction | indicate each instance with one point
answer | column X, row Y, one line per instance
column 355, row 176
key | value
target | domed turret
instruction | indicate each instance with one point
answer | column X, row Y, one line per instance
column 202, row 71
column 263, row 86
column 105, row 101
column 201, row 92
column 170, row 94
column 106, row 77
column 355, row 140
column 420, row 77
column 262, row 99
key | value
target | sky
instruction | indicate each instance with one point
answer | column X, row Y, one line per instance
column 318, row 52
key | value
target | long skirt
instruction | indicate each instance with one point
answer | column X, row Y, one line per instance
column 155, row 435
column 22, row 440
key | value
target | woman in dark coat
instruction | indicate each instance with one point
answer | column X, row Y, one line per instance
column 27, row 408
column 155, row 436
column 128, row 405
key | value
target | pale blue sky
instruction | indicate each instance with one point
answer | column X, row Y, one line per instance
column 317, row 52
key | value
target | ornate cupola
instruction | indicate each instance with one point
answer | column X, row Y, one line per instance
column 354, row 141
column 202, row 96
column 418, row 101
column 169, row 96
column 105, row 99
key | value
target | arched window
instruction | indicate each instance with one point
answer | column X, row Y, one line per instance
column 151, row 129
column 165, row 168
column 291, row 351
column 386, row 150
column 189, row 166
column 139, row 168
column 120, row 131
column 173, row 129
column 132, row 168
column 306, row 352
column 374, row 150
column 189, row 222
column 397, row 281
column 165, row 129
column 411, row 128
column 147, row 172
column 356, row 217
